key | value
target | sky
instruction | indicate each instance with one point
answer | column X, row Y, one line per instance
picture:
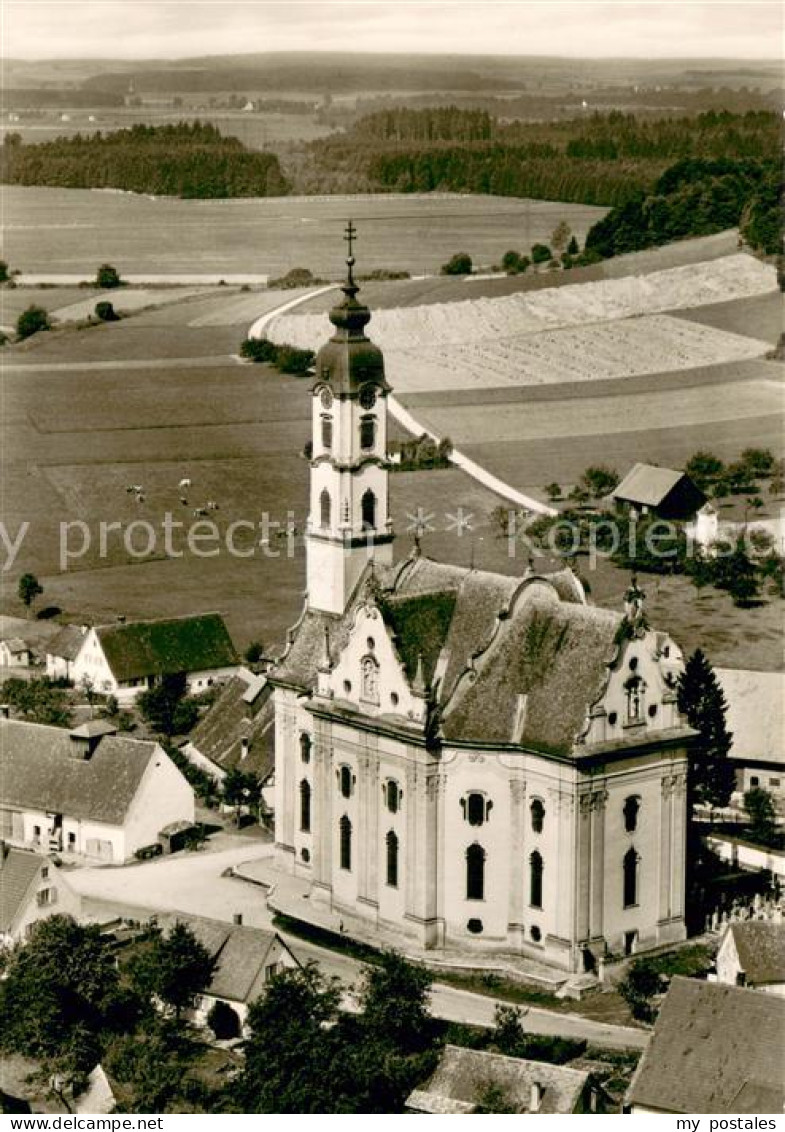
column 170, row 29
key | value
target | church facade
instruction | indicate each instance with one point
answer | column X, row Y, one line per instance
column 472, row 762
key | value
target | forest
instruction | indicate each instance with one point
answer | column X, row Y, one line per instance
column 186, row 160
column 600, row 159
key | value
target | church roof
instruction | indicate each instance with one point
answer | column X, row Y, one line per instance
column 512, row 661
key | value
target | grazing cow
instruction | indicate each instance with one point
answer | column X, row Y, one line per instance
column 139, row 497
column 199, row 512
column 212, row 505
column 184, row 483
column 184, row 501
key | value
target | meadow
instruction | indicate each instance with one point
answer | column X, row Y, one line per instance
column 72, row 230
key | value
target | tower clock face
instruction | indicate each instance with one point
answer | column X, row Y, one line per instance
column 327, row 398
column 367, row 396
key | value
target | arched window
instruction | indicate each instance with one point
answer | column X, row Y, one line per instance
column 367, row 432
column 538, row 815
column 392, row 795
column 631, row 807
column 368, row 508
column 631, row 862
column 327, row 432
column 345, row 827
column 325, row 508
column 536, row 869
column 305, row 806
column 370, row 680
column 305, row 746
column 475, row 872
column 392, row 859
column 346, row 781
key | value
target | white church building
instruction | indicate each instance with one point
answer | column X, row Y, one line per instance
column 467, row 760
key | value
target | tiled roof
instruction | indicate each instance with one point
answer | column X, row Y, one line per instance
column 462, row 1074
column 647, row 484
column 19, row 871
column 16, row 645
column 230, row 719
column 760, row 945
column 153, row 648
column 239, row 954
column 67, row 643
column 38, row 771
column 715, row 1049
column 516, row 661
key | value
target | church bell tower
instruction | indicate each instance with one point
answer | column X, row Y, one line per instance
column 349, row 521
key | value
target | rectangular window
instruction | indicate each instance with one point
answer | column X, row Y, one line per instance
column 754, row 780
column 270, row 972
column 774, row 782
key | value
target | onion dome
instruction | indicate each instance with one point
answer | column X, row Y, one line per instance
column 349, row 361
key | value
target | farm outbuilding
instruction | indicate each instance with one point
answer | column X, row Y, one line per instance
column 650, row 490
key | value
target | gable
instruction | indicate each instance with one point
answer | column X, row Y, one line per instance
column 640, row 692
column 369, row 674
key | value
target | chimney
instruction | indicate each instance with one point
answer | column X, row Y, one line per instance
column 535, row 1097
column 5, row 711
column 237, row 919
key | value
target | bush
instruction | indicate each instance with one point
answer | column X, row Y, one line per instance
column 511, row 262
column 4, row 276
column 291, row 359
column 297, row 277
column 254, row 653
column 759, row 462
column 31, row 321
column 459, row 264
column 107, row 277
column 106, row 312
column 259, row 350
column 541, row 253
column 639, row 989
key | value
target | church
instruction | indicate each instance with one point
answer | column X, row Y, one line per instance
column 466, row 761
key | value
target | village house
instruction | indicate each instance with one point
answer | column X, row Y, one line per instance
column 32, row 887
column 62, row 650
column 464, row 759
column 756, row 720
column 244, row 961
column 88, row 792
column 463, row 1078
column 662, row 492
column 237, row 730
column 24, row 1087
column 715, row 1049
column 15, row 653
column 752, row 954
column 124, row 658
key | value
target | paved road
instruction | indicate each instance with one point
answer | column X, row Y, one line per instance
column 195, row 883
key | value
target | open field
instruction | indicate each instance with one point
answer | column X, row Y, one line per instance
column 480, row 320
column 68, row 230
column 157, row 397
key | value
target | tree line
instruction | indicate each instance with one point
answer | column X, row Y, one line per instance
column 186, row 160
column 601, row 159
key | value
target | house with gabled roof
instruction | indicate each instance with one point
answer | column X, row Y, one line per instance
column 124, row 658
column 648, row 489
column 32, row 887
column 752, row 954
column 464, row 1078
column 88, row 792
column 715, row 1049
column 244, row 960
column 464, row 759
column 62, row 650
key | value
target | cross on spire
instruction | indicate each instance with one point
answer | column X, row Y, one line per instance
column 350, row 236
